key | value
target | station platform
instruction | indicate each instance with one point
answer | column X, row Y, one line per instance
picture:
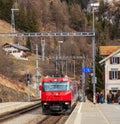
column 86, row 113
column 8, row 107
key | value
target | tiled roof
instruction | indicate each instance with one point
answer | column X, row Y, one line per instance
column 107, row 50
column 19, row 46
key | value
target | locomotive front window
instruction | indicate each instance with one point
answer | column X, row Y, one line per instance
column 56, row 86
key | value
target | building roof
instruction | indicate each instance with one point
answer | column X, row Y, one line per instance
column 107, row 50
column 106, row 58
column 17, row 46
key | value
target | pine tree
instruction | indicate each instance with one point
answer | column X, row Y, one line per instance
column 5, row 9
column 28, row 43
column 99, row 73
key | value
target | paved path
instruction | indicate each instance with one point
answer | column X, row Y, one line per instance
column 89, row 113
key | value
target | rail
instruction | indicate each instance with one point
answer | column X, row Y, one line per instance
column 18, row 111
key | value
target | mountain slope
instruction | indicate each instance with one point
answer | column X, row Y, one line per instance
column 13, row 91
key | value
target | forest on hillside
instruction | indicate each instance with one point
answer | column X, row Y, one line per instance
column 64, row 16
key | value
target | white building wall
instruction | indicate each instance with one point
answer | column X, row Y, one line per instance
column 110, row 84
column 15, row 52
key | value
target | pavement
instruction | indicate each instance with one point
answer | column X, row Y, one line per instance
column 9, row 107
column 89, row 113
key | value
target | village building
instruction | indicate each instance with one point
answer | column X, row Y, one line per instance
column 18, row 51
column 111, row 61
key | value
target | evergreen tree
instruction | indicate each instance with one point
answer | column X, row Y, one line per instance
column 5, row 9
column 26, row 20
column 28, row 43
column 99, row 72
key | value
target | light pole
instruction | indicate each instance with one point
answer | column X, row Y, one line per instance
column 93, row 55
column 13, row 20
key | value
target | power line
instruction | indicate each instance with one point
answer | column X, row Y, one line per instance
column 44, row 34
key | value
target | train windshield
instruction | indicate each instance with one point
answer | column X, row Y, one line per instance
column 56, row 86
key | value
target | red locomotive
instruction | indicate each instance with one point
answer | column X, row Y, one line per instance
column 58, row 94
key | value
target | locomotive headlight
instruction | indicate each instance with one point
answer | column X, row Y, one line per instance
column 45, row 103
column 66, row 103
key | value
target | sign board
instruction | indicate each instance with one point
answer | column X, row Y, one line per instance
column 86, row 70
column 114, row 88
column 94, row 81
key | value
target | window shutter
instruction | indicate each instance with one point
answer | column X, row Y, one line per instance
column 118, row 74
column 110, row 60
column 118, row 60
column 110, row 75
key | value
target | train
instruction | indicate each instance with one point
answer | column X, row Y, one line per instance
column 58, row 94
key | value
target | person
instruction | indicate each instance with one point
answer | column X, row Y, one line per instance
column 118, row 100
column 101, row 97
column 112, row 97
column 109, row 98
column 97, row 97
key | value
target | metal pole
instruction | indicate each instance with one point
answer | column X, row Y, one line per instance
column 83, row 80
column 66, row 66
column 59, row 50
column 37, row 72
column 62, row 65
column 13, row 20
column 43, row 49
column 28, row 91
column 60, row 56
column 93, row 55
column 56, row 65
column 74, row 68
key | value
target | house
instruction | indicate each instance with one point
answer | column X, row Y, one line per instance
column 18, row 51
column 111, row 61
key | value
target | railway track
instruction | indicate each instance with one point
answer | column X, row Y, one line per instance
column 60, row 119
column 17, row 112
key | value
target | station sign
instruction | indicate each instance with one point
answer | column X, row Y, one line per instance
column 86, row 70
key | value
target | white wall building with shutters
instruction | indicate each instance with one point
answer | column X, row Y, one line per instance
column 112, row 72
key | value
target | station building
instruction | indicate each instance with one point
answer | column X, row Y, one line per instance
column 111, row 61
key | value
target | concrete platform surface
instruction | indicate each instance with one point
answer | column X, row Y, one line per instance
column 89, row 113
column 8, row 107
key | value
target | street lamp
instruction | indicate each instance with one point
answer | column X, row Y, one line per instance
column 93, row 54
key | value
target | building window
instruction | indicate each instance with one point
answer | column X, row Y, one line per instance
column 114, row 60
column 114, row 74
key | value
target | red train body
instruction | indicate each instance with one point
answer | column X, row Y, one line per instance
column 58, row 94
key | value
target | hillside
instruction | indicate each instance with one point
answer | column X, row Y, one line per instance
column 4, row 27
column 10, row 87
column 44, row 16
column 13, row 91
